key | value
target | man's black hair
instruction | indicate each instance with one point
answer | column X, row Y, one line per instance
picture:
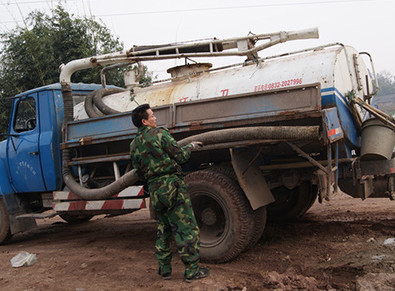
column 140, row 113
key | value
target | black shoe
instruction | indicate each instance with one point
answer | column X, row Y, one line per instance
column 166, row 276
column 203, row 273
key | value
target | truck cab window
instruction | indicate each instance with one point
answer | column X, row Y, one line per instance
column 25, row 116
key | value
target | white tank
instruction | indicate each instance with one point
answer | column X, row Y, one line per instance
column 339, row 69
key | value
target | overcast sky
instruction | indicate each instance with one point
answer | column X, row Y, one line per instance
column 366, row 25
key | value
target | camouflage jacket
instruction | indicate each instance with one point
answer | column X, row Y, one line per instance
column 155, row 153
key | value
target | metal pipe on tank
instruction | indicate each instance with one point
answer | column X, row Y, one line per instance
column 284, row 36
column 183, row 50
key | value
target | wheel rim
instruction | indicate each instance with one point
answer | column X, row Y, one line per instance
column 211, row 217
column 285, row 199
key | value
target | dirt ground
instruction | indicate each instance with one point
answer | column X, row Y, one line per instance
column 345, row 244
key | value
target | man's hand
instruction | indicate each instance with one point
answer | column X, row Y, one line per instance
column 196, row 145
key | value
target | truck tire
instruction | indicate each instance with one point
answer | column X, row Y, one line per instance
column 75, row 219
column 227, row 170
column 223, row 214
column 292, row 203
column 5, row 231
column 259, row 225
column 259, row 215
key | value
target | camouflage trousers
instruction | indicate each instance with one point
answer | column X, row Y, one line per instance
column 175, row 218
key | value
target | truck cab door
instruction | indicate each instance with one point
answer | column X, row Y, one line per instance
column 23, row 146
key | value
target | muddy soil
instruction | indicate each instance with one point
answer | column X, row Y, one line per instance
column 345, row 244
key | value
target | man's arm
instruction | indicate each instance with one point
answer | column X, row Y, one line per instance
column 180, row 154
column 135, row 164
column 137, row 169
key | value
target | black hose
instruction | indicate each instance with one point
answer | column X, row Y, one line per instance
column 126, row 180
column 105, row 192
column 254, row 133
column 89, row 108
column 67, row 104
column 212, row 137
column 95, row 99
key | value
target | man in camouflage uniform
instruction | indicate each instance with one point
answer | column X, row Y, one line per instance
column 156, row 157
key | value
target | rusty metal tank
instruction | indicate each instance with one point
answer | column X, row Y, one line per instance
column 338, row 70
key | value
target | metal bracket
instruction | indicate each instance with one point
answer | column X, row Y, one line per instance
column 324, row 173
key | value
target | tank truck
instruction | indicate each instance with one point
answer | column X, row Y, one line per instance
column 279, row 133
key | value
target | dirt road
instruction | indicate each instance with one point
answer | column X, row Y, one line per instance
column 345, row 244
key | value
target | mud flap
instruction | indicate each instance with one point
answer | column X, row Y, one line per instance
column 14, row 208
column 250, row 178
column 21, row 224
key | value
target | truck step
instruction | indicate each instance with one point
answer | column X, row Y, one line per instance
column 37, row 215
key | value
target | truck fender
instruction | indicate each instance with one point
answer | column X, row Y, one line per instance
column 250, row 178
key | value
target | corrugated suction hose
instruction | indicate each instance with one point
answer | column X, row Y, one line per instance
column 254, row 133
column 94, row 98
column 212, row 137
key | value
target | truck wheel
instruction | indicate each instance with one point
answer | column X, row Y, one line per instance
column 314, row 190
column 5, row 231
column 223, row 214
column 226, row 170
column 75, row 219
column 259, row 225
column 292, row 203
column 258, row 215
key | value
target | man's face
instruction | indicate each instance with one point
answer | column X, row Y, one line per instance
column 151, row 121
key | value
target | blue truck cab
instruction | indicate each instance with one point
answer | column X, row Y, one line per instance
column 30, row 157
